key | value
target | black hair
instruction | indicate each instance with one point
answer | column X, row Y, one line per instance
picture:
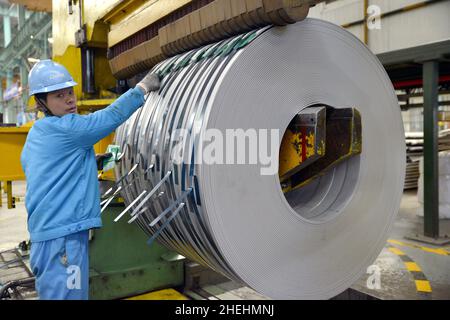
column 41, row 103
column 42, row 96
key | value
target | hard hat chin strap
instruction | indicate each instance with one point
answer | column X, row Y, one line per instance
column 44, row 106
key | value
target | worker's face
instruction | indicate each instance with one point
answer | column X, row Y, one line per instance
column 62, row 102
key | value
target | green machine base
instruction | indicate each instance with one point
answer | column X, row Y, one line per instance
column 122, row 264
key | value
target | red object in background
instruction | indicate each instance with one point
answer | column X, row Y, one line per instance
column 417, row 83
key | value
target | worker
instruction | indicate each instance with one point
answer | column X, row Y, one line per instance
column 62, row 196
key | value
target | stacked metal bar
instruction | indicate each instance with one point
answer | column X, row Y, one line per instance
column 414, row 152
column 199, row 23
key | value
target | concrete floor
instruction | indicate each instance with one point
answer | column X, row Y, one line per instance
column 426, row 262
column 396, row 281
column 13, row 222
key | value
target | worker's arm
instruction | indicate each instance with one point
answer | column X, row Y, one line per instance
column 87, row 130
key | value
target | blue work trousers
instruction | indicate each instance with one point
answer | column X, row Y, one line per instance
column 61, row 267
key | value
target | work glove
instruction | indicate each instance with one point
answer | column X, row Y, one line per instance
column 100, row 157
column 150, row 82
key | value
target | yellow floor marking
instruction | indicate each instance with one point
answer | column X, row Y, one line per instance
column 166, row 294
column 412, row 266
column 396, row 251
column 395, row 242
column 439, row 251
column 423, row 285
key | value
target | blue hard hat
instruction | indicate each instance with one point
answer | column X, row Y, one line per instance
column 48, row 76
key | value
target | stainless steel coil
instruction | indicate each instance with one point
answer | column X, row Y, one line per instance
column 230, row 218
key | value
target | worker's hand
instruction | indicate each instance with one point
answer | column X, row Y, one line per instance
column 151, row 82
column 100, row 157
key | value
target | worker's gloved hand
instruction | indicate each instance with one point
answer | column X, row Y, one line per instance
column 100, row 157
column 151, row 82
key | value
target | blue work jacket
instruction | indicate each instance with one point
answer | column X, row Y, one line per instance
column 58, row 158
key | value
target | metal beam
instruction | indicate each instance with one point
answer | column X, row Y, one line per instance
column 7, row 12
column 36, row 24
column 1, row 111
column 431, row 156
column 366, row 17
column 44, row 31
column 427, row 52
column 9, row 77
column 21, row 16
column 44, row 46
column 24, row 69
column 6, row 31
